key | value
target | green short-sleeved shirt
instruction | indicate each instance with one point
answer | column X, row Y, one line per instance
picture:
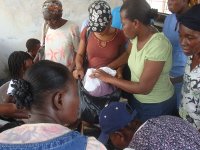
column 157, row 48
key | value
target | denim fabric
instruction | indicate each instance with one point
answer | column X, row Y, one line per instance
column 177, row 91
column 147, row 111
column 70, row 141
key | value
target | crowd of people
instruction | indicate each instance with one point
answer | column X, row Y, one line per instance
column 161, row 110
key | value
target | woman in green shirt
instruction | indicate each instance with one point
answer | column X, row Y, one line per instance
column 149, row 58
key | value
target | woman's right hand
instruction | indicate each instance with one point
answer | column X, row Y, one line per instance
column 78, row 73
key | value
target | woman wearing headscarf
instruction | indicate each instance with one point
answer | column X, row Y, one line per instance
column 62, row 37
column 149, row 60
column 189, row 32
column 103, row 45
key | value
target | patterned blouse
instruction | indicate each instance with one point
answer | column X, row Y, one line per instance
column 189, row 108
column 35, row 133
column 166, row 133
column 61, row 44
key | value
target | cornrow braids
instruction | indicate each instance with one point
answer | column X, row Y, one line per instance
column 16, row 61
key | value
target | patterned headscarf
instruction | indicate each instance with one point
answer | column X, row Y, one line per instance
column 52, row 6
column 99, row 16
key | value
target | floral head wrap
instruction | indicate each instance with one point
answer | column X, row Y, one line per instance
column 99, row 16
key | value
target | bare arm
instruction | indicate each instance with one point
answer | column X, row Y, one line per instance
column 149, row 77
column 36, row 59
column 79, row 71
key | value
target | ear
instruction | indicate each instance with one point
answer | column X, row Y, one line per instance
column 136, row 23
column 58, row 101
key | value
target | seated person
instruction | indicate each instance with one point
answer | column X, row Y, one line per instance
column 32, row 46
column 18, row 63
column 118, row 122
column 49, row 92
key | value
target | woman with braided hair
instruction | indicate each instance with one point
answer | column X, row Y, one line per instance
column 18, row 63
column 48, row 91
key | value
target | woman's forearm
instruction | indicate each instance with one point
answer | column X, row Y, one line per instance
column 79, row 61
column 129, row 86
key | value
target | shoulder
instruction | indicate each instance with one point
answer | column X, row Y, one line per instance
column 116, row 9
column 3, row 92
column 121, row 35
column 93, row 143
column 159, row 39
column 170, row 19
column 4, row 86
column 29, row 133
column 74, row 28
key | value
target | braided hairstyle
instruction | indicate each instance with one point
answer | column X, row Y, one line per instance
column 139, row 9
column 16, row 61
column 40, row 80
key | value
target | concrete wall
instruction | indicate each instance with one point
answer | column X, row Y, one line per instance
column 22, row 19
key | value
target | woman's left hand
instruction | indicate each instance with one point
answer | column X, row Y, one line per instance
column 100, row 74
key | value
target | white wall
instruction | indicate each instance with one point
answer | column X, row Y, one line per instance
column 22, row 19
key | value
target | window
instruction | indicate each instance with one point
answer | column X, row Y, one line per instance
column 161, row 5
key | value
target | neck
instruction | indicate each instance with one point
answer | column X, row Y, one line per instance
column 41, row 117
column 146, row 33
column 106, row 36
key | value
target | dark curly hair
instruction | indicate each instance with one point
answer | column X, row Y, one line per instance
column 139, row 9
column 41, row 79
column 31, row 44
column 16, row 60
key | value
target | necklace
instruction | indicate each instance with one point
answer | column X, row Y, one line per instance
column 103, row 43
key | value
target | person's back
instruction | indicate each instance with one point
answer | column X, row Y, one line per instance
column 34, row 136
column 51, row 109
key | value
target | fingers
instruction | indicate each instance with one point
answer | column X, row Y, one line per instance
column 78, row 74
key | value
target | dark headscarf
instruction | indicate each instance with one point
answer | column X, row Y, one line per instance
column 99, row 16
column 191, row 18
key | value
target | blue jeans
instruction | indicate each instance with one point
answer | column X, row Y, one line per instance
column 147, row 111
column 177, row 88
column 72, row 141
